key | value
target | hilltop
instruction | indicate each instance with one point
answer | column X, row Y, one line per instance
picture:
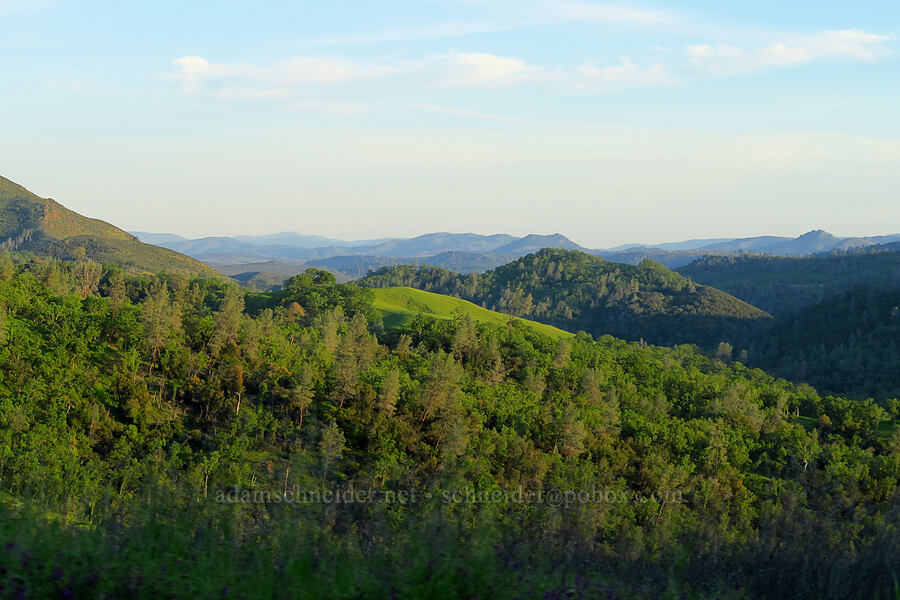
column 576, row 291
column 46, row 228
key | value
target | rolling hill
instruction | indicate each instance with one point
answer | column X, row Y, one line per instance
column 576, row 291
column 46, row 228
column 399, row 305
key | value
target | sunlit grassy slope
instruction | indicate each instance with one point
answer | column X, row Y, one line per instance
column 399, row 305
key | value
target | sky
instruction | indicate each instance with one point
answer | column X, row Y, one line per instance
column 610, row 123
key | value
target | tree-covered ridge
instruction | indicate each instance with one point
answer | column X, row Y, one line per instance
column 835, row 326
column 782, row 285
column 575, row 291
column 44, row 228
column 128, row 412
column 846, row 344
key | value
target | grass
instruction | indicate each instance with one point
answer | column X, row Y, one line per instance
column 399, row 305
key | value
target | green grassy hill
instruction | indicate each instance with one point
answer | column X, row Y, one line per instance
column 399, row 305
column 46, row 228
column 577, row 291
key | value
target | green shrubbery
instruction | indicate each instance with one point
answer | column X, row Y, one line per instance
column 538, row 465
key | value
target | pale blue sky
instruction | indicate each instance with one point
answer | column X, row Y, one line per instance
column 608, row 122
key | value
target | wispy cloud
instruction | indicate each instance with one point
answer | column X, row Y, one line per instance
column 293, row 83
column 426, row 32
column 459, row 69
column 14, row 6
column 725, row 59
column 479, row 69
column 603, row 12
column 369, row 108
column 593, row 77
column 332, row 108
column 299, row 76
column 452, row 69
column 196, row 72
column 245, row 93
column 456, row 112
column 851, row 44
column 508, row 15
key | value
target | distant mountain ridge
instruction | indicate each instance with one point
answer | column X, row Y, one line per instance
column 810, row 242
column 46, row 228
column 293, row 252
column 157, row 238
column 289, row 238
column 299, row 247
column 678, row 254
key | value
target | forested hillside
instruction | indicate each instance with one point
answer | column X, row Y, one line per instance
column 845, row 344
column 160, row 440
column 835, row 324
column 782, row 285
column 575, row 291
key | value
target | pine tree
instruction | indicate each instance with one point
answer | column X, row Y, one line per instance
column 442, row 385
column 7, row 267
column 563, row 352
column 87, row 277
column 227, row 320
column 465, row 340
column 161, row 320
column 117, row 292
column 390, row 392
column 571, row 432
column 331, row 446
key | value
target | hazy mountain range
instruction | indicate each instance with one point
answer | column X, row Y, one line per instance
column 40, row 225
column 288, row 253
